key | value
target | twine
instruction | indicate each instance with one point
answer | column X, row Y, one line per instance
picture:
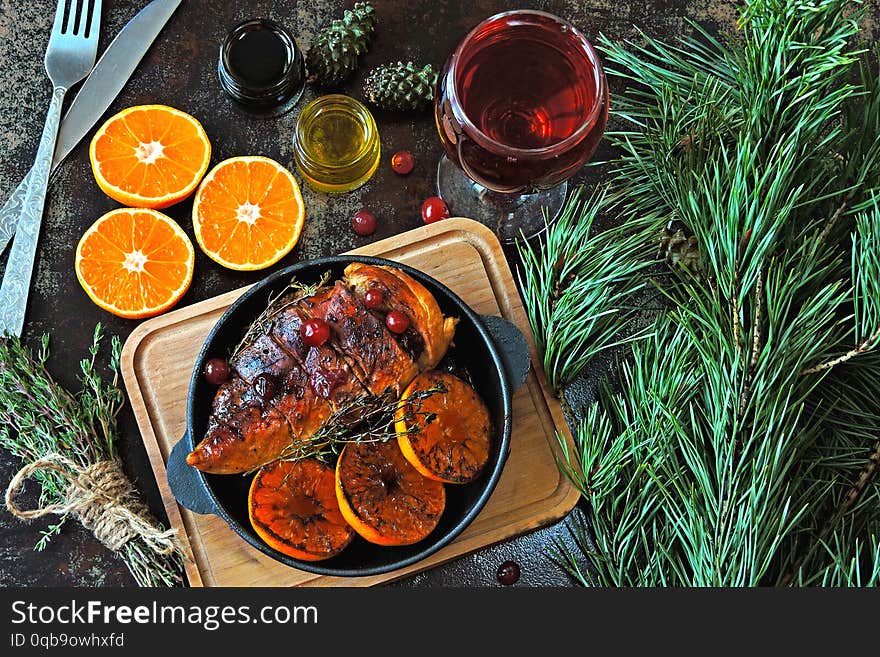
column 101, row 497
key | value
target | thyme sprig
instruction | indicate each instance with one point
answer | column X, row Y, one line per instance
column 39, row 417
column 369, row 419
column 288, row 296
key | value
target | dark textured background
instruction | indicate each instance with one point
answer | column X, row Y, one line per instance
column 180, row 70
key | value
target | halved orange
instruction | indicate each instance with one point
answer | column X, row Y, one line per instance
column 135, row 263
column 150, row 156
column 383, row 497
column 292, row 507
column 444, row 435
column 248, row 213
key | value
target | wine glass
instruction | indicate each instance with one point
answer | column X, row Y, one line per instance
column 520, row 106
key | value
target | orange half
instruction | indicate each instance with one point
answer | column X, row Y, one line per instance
column 150, row 156
column 292, row 507
column 454, row 446
column 248, row 213
column 135, row 263
column 384, row 498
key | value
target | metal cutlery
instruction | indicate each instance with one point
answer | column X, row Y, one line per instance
column 70, row 56
column 114, row 68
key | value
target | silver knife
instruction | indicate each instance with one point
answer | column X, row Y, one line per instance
column 100, row 89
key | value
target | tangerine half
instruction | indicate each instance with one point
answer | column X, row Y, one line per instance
column 150, row 156
column 292, row 507
column 248, row 213
column 384, row 498
column 453, row 446
column 135, row 263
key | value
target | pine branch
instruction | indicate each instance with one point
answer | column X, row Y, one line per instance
column 866, row 289
column 576, row 316
column 710, row 462
column 846, row 459
column 862, row 348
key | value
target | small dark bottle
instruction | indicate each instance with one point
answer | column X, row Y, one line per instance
column 261, row 68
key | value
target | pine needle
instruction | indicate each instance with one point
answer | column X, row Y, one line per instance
column 738, row 445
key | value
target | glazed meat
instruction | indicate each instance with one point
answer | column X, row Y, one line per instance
column 282, row 391
column 429, row 337
column 372, row 352
column 323, row 369
column 241, row 431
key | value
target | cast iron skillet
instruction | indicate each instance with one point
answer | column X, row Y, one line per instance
column 492, row 350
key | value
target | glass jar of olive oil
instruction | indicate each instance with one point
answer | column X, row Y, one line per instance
column 336, row 143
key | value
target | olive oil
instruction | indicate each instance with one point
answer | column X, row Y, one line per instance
column 336, row 144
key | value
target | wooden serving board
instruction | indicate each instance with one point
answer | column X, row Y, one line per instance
column 157, row 363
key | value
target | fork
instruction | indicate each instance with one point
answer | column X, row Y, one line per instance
column 70, row 56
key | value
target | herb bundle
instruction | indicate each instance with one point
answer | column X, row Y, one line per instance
column 738, row 443
column 68, row 444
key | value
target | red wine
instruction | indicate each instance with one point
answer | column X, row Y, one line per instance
column 522, row 105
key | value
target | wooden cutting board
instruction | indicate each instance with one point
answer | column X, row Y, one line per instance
column 159, row 356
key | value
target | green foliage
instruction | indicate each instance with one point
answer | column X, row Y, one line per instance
column 39, row 417
column 569, row 269
column 736, row 447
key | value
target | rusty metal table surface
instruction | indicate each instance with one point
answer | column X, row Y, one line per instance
column 180, row 70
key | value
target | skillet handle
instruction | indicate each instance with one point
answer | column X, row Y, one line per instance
column 185, row 482
column 513, row 348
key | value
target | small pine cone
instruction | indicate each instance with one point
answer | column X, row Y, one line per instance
column 679, row 247
column 401, row 87
column 337, row 50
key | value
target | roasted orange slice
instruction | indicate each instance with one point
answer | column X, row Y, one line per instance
column 383, row 497
column 444, row 435
column 248, row 213
column 292, row 507
column 135, row 263
column 150, row 156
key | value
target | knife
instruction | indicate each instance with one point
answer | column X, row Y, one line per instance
column 100, row 89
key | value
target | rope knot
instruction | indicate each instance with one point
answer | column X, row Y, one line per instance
column 101, row 497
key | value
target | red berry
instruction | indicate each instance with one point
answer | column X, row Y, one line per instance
column 508, row 573
column 434, row 209
column 265, row 386
column 217, row 371
column 397, row 322
column 373, row 298
column 403, row 162
column 364, row 223
column 315, row 332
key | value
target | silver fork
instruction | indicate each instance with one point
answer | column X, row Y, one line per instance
column 70, row 57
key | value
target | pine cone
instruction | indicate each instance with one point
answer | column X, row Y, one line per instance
column 335, row 54
column 401, row 86
column 678, row 246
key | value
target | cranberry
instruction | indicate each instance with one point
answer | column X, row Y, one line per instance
column 217, row 371
column 397, row 322
column 374, row 298
column 323, row 381
column 403, row 162
column 364, row 223
column 434, row 209
column 508, row 573
column 315, row 332
column 265, row 386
